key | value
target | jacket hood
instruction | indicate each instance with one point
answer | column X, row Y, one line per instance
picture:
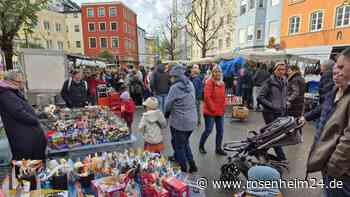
column 7, row 85
column 152, row 115
column 179, row 72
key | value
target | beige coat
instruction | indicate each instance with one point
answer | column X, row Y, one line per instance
column 151, row 125
column 332, row 154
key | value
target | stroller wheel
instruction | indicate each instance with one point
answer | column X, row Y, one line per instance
column 233, row 170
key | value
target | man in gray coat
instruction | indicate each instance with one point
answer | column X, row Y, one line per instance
column 180, row 108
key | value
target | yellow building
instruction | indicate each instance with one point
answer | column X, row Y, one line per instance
column 151, row 51
column 224, row 12
column 50, row 31
column 74, row 41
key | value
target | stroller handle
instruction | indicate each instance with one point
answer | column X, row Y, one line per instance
column 235, row 146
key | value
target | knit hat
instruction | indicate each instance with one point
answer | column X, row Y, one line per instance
column 177, row 70
column 125, row 96
column 151, row 102
column 263, row 173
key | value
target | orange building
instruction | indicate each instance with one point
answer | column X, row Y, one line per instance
column 315, row 28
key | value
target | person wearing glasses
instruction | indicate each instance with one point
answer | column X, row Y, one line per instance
column 26, row 137
column 273, row 97
column 214, row 109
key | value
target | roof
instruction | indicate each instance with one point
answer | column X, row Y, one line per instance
column 108, row 3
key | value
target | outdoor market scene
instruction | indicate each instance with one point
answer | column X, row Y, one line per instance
column 174, row 98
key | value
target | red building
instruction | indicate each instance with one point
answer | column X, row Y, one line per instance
column 110, row 26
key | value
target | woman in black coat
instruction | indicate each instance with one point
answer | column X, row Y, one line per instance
column 26, row 137
column 296, row 91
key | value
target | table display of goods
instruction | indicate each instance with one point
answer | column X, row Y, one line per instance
column 131, row 173
column 71, row 128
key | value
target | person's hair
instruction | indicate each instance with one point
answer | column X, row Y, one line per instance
column 74, row 72
column 328, row 64
column 12, row 75
column 295, row 68
column 346, row 53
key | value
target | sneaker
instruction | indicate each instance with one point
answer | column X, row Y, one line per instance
column 193, row 167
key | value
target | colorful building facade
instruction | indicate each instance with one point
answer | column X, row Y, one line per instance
column 110, row 27
column 314, row 28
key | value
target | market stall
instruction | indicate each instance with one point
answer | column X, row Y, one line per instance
column 83, row 128
column 128, row 174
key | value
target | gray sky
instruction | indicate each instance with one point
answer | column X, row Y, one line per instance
column 150, row 13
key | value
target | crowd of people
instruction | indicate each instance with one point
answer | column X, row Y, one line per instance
column 181, row 97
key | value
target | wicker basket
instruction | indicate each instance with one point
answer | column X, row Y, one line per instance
column 240, row 112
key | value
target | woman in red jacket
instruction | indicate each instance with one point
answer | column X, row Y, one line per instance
column 94, row 81
column 214, row 109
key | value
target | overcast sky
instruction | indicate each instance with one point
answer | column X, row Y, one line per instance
column 150, row 13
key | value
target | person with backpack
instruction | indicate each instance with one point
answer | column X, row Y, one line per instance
column 136, row 88
column 75, row 91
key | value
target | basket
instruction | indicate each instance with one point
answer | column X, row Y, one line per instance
column 240, row 112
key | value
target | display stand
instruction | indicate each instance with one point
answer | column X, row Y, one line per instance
column 128, row 140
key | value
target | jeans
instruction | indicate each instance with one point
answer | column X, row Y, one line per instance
column 330, row 184
column 209, row 124
column 268, row 118
column 181, row 144
column 256, row 92
column 161, row 100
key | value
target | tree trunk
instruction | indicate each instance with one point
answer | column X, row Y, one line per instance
column 204, row 52
column 7, row 49
column 8, row 58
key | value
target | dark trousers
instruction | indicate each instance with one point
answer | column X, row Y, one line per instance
column 181, row 145
column 268, row 118
column 209, row 124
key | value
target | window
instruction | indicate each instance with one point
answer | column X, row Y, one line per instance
column 102, row 26
column 103, row 43
column 243, row 6
column 242, row 36
column 228, row 18
column 75, row 15
column 77, row 44
column 275, row 2
column 250, row 33
column 273, row 27
column 101, row 11
column 49, row 44
column 228, row 42
column 59, row 44
column 261, row 3
column 222, row 3
column 316, row 22
column 76, row 28
column 220, row 44
column 251, row 4
column 113, row 11
column 342, row 16
column 294, row 24
column 259, row 34
column 92, row 27
column 68, row 44
column 213, row 23
column 115, row 42
column 92, row 42
column 113, row 26
column 221, row 20
column 67, row 29
column 90, row 12
column 58, row 27
column 47, row 25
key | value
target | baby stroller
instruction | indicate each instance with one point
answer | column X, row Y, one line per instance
column 253, row 151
